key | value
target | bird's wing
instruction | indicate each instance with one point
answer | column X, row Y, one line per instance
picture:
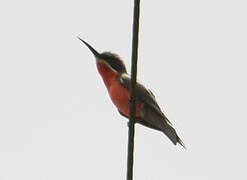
column 154, row 117
column 142, row 94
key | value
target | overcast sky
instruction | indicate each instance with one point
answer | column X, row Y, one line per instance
column 57, row 121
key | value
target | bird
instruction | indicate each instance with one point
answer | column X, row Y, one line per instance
column 117, row 81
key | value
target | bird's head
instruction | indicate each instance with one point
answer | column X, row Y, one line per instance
column 110, row 59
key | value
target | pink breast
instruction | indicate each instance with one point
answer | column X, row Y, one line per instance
column 120, row 97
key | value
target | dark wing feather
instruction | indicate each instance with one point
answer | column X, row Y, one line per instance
column 143, row 94
column 153, row 117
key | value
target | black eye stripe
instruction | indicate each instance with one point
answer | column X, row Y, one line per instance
column 114, row 61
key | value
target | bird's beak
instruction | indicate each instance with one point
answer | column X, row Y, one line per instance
column 96, row 54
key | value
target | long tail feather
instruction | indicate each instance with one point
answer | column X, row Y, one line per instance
column 171, row 133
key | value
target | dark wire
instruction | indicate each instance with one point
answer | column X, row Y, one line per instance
column 134, row 58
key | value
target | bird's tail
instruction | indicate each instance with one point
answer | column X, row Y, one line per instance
column 157, row 120
column 171, row 133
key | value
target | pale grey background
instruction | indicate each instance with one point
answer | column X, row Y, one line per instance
column 57, row 121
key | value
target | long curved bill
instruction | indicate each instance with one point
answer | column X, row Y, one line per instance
column 96, row 54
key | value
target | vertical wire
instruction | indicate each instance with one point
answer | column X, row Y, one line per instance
column 131, row 134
